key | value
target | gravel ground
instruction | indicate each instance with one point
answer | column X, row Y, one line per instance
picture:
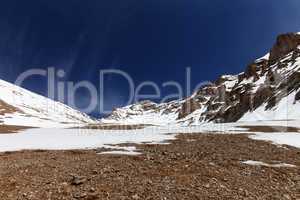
column 195, row 166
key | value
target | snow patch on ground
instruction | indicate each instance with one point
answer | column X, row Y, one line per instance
column 259, row 163
column 131, row 151
column 68, row 139
column 128, row 153
column 291, row 139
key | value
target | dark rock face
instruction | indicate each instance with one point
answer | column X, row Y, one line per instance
column 297, row 97
column 261, row 96
column 232, row 114
column 251, row 71
column 285, row 43
column 188, row 107
column 293, row 82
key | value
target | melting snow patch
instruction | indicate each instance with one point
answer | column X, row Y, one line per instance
column 68, row 139
column 259, row 163
column 129, row 153
column 291, row 139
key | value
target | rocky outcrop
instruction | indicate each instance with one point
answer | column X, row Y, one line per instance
column 262, row 95
column 188, row 107
column 145, row 105
column 297, row 96
column 7, row 109
column 251, row 71
column 285, row 43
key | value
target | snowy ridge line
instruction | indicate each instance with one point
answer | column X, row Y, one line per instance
column 34, row 110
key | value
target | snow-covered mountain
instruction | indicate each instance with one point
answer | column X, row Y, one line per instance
column 267, row 90
column 21, row 107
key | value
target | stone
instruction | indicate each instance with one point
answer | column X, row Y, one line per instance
column 78, row 180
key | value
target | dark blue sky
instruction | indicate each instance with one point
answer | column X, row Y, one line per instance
column 151, row 40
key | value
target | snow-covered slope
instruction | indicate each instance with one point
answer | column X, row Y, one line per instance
column 21, row 107
column 267, row 90
column 145, row 112
column 286, row 109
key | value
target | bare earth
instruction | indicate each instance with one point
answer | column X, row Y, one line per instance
column 12, row 129
column 198, row 166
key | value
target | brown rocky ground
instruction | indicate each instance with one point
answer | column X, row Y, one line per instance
column 196, row 166
column 12, row 129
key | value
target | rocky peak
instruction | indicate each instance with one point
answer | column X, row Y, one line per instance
column 285, row 43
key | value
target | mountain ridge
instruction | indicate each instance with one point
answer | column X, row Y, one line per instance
column 258, row 91
column 22, row 107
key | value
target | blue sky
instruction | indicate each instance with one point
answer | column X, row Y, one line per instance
column 151, row 40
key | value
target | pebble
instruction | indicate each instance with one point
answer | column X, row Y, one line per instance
column 78, row 180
